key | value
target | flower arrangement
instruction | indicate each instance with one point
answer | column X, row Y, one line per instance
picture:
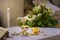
column 39, row 16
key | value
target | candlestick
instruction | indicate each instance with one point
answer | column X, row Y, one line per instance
column 8, row 18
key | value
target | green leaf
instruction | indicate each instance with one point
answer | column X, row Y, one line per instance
column 20, row 23
column 31, row 24
column 39, row 23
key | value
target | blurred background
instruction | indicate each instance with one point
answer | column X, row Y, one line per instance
column 19, row 8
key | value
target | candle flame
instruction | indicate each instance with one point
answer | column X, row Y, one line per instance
column 8, row 8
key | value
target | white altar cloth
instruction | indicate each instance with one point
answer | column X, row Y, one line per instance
column 49, row 34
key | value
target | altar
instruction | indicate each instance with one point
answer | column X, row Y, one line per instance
column 46, row 34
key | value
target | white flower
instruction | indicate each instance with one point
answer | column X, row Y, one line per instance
column 39, row 14
column 26, row 17
column 34, row 16
column 36, row 8
column 39, row 7
column 30, row 19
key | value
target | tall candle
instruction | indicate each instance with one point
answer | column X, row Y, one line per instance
column 8, row 18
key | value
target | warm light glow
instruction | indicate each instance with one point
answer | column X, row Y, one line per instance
column 7, row 8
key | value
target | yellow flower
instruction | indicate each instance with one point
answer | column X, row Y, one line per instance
column 35, row 30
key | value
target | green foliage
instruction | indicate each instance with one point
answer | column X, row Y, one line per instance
column 43, row 20
column 43, row 17
column 19, row 22
column 30, row 23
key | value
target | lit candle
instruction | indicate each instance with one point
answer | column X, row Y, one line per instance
column 8, row 18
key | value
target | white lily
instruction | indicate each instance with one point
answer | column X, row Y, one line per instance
column 30, row 19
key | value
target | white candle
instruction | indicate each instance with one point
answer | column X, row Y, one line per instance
column 8, row 18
